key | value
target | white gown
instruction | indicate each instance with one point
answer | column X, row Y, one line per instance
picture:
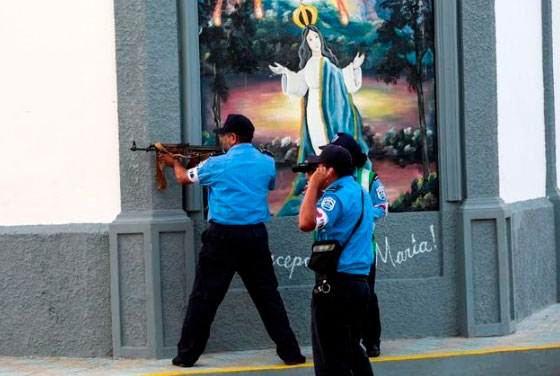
column 308, row 80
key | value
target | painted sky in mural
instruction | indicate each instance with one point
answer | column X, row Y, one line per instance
column 392, row 92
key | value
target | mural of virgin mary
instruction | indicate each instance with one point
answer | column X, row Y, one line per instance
column 325, row 89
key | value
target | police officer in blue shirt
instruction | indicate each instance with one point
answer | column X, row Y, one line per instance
column 369, row 180
column 236, row 240
column 338, row 208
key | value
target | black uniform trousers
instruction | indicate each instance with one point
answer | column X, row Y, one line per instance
column 226, row 250
column 336, row 319
column 371, row 332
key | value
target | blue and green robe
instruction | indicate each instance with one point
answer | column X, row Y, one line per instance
column 336, row 110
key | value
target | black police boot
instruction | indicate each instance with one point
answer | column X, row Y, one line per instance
column 297, row 360
column 177, row 361
column 373, row 351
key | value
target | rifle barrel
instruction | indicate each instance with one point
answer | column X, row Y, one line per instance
column 185, row 148
column 135, row 148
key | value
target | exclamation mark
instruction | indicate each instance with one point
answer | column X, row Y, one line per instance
column 433, row 236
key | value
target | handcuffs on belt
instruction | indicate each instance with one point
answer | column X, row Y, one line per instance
column 323, row 287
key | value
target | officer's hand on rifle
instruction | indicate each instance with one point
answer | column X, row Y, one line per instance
column 168, row 159
column 167, row 154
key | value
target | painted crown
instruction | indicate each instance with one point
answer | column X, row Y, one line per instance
column 305, row 15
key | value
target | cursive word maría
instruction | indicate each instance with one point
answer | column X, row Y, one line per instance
column 386, row 256
column 400, row 257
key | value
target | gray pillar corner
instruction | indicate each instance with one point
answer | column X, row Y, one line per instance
column 149, row 258
column 151, row 240
column 486, row 298
column 552, row 191
column 486, row 274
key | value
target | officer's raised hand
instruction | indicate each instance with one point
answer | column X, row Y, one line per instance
column 320, row 176
column 332, row 156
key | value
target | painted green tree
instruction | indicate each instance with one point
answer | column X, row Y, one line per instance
column 406, row 36
column 225, row 50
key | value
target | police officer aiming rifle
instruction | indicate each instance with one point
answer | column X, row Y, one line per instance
column 236, row 240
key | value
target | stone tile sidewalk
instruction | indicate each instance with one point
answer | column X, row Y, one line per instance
column 540, row 331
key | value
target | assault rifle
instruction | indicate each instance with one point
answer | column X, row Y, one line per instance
column 194, row 154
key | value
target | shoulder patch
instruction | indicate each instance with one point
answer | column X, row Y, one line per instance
column 328, row 203
column 321, row 219
column 380, row 191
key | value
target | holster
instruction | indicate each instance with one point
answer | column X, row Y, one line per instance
column 324, row 256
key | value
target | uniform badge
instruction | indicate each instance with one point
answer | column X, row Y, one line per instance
column 321, row 219
column 328, row 203
column 380, row 193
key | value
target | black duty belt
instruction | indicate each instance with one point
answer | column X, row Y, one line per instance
column 219, row 225
column 322, row 281
column 342, row 276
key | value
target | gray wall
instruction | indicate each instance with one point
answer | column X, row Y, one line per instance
column 534, row 256
column 148, row 82
column 151, row 239
column 55, row 291
column 416, row 282
column 418, row 295
column 55, row 285
column 552, row 192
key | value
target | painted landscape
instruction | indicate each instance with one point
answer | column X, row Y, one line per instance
column 396, row 100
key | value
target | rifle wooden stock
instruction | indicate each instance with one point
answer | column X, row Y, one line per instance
column 193, row 153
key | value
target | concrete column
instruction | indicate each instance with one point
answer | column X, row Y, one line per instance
column 550, row 128
column 151, row 239
column 483, row 237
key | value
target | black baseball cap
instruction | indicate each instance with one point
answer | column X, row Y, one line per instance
column 333, row 156
column 346, row 141
column 238, row 124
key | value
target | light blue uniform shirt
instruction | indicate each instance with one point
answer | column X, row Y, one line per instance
column 238, row 183
column 370, row 181
column 338, row 211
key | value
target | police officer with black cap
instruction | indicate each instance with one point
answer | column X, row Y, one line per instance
column 236, row 240
column 341, row 211
column 370, row 181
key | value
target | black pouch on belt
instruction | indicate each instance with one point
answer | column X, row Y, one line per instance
column 326, row 253
column 324, row 256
